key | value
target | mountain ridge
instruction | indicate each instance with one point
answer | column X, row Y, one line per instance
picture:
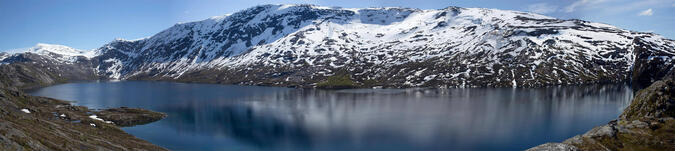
column 302, row 45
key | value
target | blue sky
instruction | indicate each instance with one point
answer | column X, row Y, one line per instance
column 88, row 24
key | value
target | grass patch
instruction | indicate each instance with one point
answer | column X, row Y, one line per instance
column 341, row 81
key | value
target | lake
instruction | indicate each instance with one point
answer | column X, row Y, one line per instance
column 227, row 117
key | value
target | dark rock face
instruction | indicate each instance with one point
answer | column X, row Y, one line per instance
column 37, row 123
column 105, row 67
column 650, row 65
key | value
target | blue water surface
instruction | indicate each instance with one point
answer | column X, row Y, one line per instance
column 225, row 117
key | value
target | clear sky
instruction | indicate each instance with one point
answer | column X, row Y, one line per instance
column 88, row 24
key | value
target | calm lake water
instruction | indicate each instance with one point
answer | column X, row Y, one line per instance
column 225, row 117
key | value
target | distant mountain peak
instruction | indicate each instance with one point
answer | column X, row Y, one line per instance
column 56, row 52
column 43, row 48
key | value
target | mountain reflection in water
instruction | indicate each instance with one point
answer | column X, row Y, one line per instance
column 217, row 117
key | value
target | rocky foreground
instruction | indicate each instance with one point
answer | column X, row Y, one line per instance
column 647, row 124
column 38, row 123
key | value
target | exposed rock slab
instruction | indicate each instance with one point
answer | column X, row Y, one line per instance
column 554, row 146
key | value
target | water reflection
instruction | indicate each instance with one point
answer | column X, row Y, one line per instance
column 216, row 117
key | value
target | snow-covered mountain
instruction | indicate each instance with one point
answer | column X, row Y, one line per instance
column 301, row 45
column 45, row 64
column 58, row 52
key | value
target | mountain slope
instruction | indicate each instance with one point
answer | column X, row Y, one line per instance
column 44, row 65
column 301, row 45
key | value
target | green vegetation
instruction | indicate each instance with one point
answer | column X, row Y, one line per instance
column 338, row 81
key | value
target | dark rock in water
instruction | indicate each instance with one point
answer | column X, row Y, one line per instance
column 129, row 116
column 38, row 123
column 647, row 124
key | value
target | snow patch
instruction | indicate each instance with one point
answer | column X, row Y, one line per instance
column 94, row 117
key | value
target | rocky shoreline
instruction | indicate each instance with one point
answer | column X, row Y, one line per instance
column 39, row 123
column 647, row 124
